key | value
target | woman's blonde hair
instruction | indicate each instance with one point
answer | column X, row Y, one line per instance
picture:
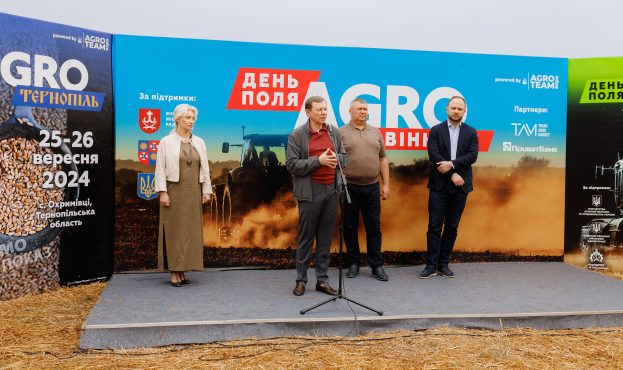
column 181, row 110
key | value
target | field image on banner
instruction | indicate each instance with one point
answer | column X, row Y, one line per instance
column 250, row 97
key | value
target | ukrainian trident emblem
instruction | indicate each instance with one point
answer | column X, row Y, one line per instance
column 596, row 200
column 146, row 186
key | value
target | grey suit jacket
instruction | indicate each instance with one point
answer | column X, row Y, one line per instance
column 301, row 165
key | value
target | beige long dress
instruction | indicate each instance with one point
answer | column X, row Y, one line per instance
column 180, row 244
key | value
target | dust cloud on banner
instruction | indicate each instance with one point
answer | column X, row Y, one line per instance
column 250, row 96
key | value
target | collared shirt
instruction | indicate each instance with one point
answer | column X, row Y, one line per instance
column 318, row 143
column 364, row 148
column 454, row 139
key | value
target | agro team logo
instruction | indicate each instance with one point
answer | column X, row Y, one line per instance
column 543, row 81
column 149, row 120
column 94, row 42
column 146, row 186
column 147, row 151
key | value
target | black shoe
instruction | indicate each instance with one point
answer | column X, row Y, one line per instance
column 379, row 273
column 325, row 288
column 445, row 271
column 353, row 271
column 428, row 272
column 185, row 281
column 299, row 289
column 177, row 284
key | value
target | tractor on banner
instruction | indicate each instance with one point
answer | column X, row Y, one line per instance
column 260, row 177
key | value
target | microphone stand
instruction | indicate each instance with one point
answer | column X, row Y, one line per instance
column 340, row 289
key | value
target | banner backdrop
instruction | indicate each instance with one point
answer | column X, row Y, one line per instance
column 56, row 135
column 595, row 164
column 250, row 97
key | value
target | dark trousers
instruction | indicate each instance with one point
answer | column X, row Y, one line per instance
column 444, row 209
column 317, row 221
column 367, row 200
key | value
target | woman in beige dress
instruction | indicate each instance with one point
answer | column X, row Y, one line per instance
column 183, row 182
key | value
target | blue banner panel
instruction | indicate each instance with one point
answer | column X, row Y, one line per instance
column 56, row 135
column 250, row 96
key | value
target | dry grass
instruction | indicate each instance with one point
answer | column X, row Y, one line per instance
column 612, row 274
column 42, row 332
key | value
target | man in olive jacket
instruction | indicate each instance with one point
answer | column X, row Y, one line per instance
column 312, row 161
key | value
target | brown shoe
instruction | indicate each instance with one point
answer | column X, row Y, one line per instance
column 299, row 289
column 325, row 288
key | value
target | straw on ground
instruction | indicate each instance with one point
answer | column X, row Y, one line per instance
column 42, row 332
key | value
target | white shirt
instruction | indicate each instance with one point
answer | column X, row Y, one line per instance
column 454, row 139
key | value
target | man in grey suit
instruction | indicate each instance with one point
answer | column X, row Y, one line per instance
column 311, row 158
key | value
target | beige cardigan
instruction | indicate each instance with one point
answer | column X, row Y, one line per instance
column 168, row 162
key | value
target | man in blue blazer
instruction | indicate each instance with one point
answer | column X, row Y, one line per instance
column 452, row 149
